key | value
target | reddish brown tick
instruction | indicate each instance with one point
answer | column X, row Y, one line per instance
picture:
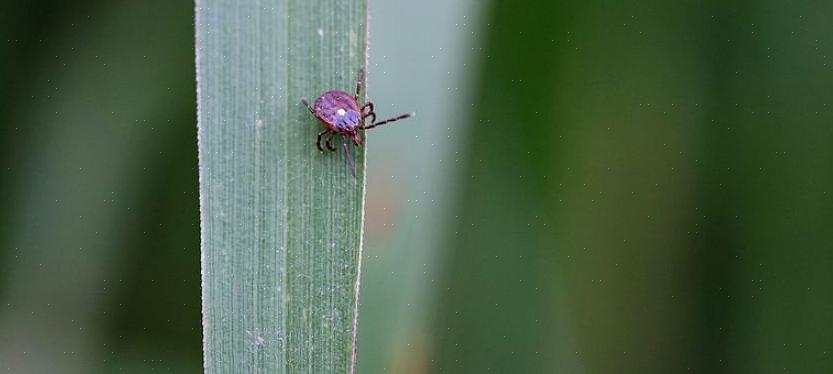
column 341, row 115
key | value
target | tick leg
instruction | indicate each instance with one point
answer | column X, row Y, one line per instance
column 370, row 114
column 389, row 120
column 306, row 103
column 367, row 113
column 350, row 162
column 318, row 142
column 330, row 145
column 367, row 105
column 359, row 80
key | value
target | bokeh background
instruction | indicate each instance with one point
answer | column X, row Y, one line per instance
column 589, row 187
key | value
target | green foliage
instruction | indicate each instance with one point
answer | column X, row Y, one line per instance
column 646, row 190
column 99, row 268
column 281, row 221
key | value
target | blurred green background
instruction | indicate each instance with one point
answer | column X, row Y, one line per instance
column 589, row 187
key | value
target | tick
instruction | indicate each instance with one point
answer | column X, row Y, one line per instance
column 341, row 115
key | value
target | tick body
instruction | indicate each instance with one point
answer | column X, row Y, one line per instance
column 341, row 115
column 339, row 112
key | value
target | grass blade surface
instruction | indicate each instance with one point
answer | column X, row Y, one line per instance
column 281, row 221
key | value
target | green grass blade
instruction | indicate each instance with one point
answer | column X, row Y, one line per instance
column 281, row 221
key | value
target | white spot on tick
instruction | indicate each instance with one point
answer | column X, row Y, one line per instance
column 341, row 112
